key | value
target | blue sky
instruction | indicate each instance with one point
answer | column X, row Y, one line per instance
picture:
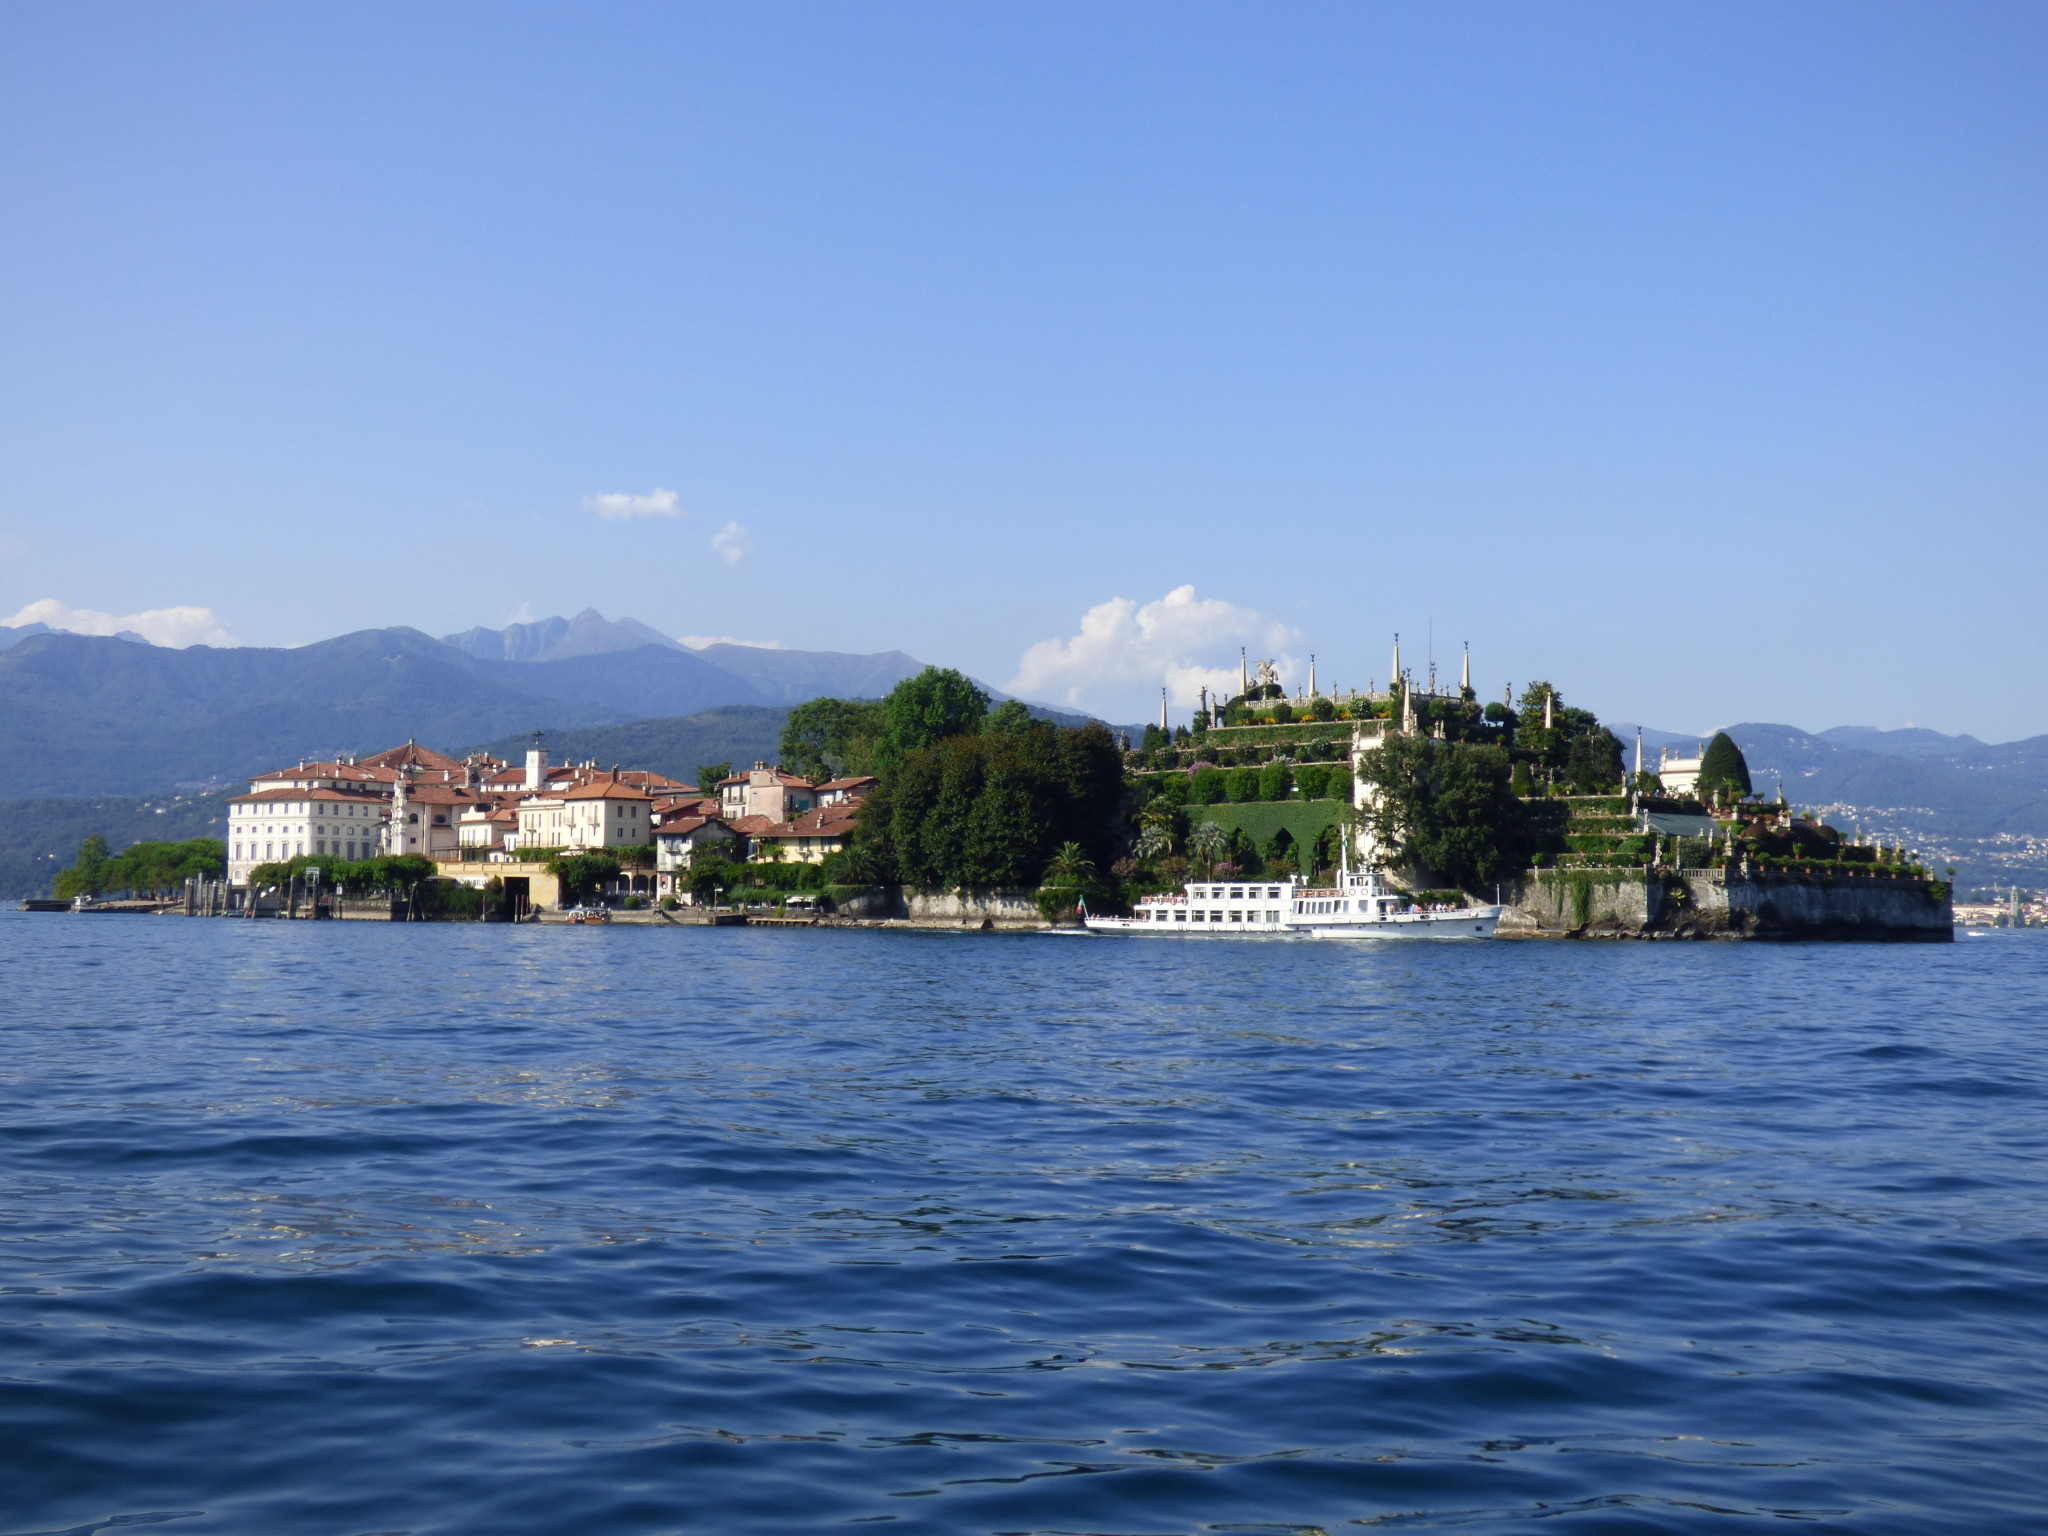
column 1692, row 358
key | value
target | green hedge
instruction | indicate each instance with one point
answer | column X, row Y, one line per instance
column 1244, row 786
column 1297, row 731
column 786, row 876
column 1303, row 820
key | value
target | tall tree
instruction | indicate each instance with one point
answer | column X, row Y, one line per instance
column 710, row 775
column 1723, row 767
column 87, row 875
column 1011, row 718
column 1593, row 762
column 833, row 738
column 989, row 810
column 929, row 708
column 1446, row 807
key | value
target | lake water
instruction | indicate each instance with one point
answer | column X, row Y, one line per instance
column 353, row 1228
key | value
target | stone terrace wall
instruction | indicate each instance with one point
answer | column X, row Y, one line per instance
column 1713, row 904
column 971, row 907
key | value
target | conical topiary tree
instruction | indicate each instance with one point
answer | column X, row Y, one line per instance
column 1723, row 768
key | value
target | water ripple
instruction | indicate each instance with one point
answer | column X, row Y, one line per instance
column 352, row 1229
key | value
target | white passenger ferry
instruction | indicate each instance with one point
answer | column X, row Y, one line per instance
column 1357, row 907
column 1239, row 908
column 1360, row 907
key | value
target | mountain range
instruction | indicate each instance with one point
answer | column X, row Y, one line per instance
column 1956, row 786
column 90, row 715
column 84, row 715
column 23, row 631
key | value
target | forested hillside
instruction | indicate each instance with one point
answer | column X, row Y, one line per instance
column 39, row 837
column 85, row 716
column 734, row 733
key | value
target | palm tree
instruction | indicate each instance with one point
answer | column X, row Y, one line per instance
column 1207, row 842
column 1155, row 843
column 1158, row 814
column 1070, row 866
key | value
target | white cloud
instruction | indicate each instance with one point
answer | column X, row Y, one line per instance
column 698, row 642
column 623, row 505
column 175, row 627
column 732, row 543
column 1181, row 642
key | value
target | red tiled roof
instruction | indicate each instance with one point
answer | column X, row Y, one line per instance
column 691, row 804
column 606, row 789
column 412, row 752
column 647, row 778
column 683, row 826
column 439, row 794
column 852, row 783
column 832, row 821
column 331, row 771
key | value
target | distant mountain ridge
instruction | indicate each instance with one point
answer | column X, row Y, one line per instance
column 87, row 715
column 1910, row 742
column 645, row 685
column 82, row 715
column 1969, row 789
column 21, row 632
column 589, row 633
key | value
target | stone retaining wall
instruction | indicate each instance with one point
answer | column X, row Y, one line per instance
column 973, row 908
column 1714, row 904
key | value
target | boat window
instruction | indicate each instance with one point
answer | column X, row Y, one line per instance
column 1237, row 917
column 1180, row 917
